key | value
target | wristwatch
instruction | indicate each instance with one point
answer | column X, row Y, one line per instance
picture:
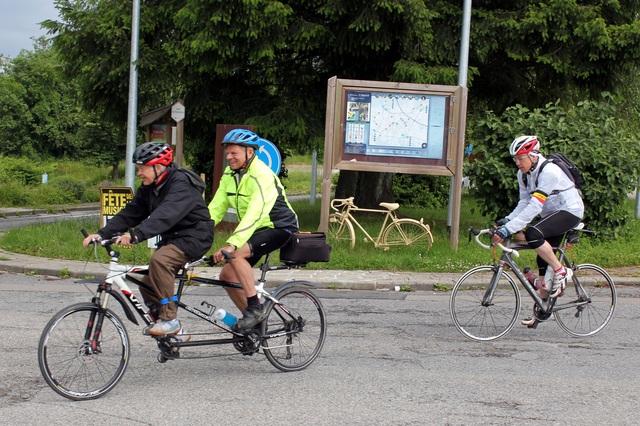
column 231, row 245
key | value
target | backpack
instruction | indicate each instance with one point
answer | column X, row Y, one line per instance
column 567, row 166
column 194, row 179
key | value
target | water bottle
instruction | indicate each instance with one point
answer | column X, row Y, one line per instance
column 531, row 277
column 225, row 317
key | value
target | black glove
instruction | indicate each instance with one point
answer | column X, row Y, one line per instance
column 502, row 232
column 502, row 222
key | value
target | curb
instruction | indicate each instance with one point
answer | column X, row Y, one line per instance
column 56, row 209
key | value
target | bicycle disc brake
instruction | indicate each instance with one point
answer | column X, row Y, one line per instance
column 250, row 344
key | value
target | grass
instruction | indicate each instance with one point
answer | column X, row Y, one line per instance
column 62, row 240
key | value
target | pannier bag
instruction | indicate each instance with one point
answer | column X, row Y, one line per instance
column 306, row 247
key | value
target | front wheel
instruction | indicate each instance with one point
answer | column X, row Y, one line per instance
column 587, row 303
column 341, row 229
column 475, row 312
column 407, row 232
column 295, row 329
column 74, row 362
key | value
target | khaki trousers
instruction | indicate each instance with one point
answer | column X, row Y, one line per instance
column 163, row 265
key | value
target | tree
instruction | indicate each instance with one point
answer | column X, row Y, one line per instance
column 15, row 113
column 591, row 134
column 266, row 62
column 40, row 115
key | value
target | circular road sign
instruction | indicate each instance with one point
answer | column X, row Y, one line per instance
column 269, row 155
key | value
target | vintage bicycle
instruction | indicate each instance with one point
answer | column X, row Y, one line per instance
column 394, row 231
column 485, row 302
column 84, row 349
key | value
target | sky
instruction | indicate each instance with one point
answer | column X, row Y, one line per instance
column 19, row 23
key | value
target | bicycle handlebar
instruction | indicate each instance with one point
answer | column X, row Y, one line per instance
column 336, row 203
column 477, row 233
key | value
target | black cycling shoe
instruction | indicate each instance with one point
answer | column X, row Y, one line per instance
column 251, row 317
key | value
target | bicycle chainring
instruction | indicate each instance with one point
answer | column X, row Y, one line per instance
column 168, row 348
column 250, row 343
column 539, row 314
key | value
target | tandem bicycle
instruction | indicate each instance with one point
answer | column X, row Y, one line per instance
column 485, row 302
column 85, row 348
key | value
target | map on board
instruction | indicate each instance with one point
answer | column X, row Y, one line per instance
column 394, row 124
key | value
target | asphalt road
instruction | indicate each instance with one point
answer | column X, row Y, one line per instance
column 18, row 221
column 390, row 358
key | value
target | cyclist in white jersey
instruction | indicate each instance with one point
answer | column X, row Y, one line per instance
column 549, row 196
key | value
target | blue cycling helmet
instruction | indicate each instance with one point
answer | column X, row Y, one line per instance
column 241, row 137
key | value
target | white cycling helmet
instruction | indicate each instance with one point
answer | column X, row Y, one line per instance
column 524, row 145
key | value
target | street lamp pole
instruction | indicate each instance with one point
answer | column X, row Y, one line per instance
column 463, row 65
column 129, row 169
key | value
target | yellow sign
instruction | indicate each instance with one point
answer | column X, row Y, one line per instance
column 112, row 200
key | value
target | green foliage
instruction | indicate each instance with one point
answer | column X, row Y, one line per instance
column 36, row 240
column 421, row 190
column 589, row 133
column 68, row 182
column 20, row 170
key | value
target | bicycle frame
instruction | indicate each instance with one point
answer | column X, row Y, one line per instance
column 547, row 306
column 347, row 214
column 389, row 215
column 117, row 274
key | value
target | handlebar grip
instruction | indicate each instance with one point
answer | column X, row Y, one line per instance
column 227, row 255
column 515, row 253
column 84, row 232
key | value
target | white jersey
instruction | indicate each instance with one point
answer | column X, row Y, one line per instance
column 554, row 192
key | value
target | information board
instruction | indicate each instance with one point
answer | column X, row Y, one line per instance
column 393, row 127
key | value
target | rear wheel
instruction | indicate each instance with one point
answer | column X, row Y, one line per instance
column 591, row 300
column 295, row 329
column 479, row 318
column 72, row 362
column 341, row 230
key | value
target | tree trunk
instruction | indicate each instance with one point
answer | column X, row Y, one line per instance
column 369, row 189
column 115, row 174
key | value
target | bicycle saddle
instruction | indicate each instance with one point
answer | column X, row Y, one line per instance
column 390, row 206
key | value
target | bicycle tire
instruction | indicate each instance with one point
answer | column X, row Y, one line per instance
column 68, row 363
column 295, row 329
column 341, row 229
column 590, row 283
column 407, row 232
column 471, row 317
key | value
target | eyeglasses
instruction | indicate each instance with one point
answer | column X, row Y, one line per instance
column 519, row 159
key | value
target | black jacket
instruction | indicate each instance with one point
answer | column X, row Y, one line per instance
column 175, row 210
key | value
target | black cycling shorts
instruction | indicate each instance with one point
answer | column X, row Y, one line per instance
column 266, row 240
column 551, row 228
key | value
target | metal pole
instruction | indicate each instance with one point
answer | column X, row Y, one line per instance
column 314, row 177
column 132, row 122
column 637, row 195
column 463, row 66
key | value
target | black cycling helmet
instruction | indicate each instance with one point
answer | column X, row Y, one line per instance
column 241, row 137
column 152, row 153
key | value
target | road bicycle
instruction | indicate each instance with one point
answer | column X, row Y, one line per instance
column 485, row 302
column 394, row 231
column 84, row 349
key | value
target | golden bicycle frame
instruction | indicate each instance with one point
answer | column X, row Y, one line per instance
column 394, row 231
